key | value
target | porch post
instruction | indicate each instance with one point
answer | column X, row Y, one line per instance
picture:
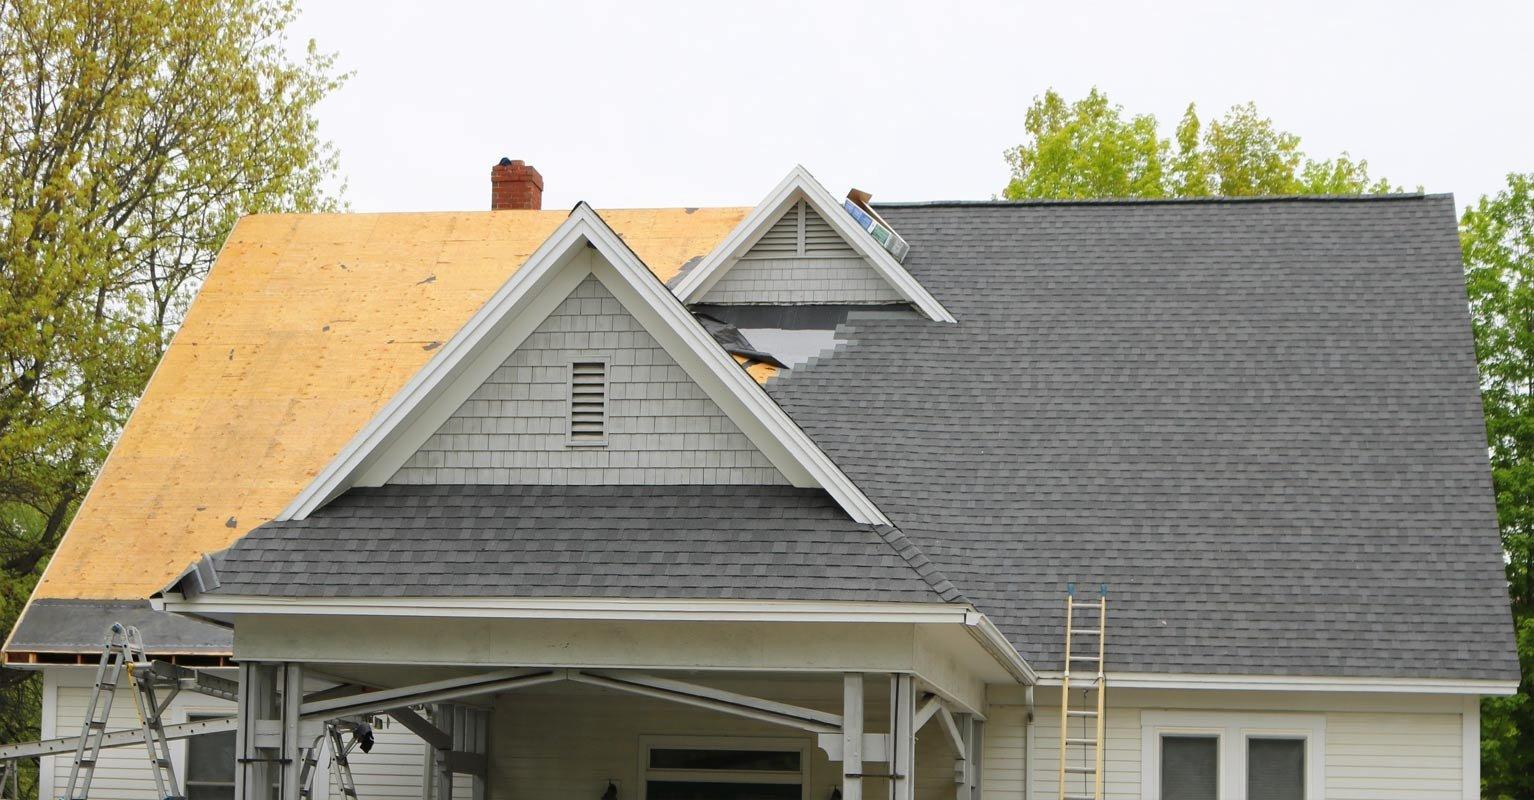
column 902, row 738
column 964, row 763
column 292, row 733
column 442, row 773
column 254, row 745
column 852, row 736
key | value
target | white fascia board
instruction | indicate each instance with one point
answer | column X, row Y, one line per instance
column 995, row 642
column 576, row 608
column 1299, row 683
column 530, row 289
column 799, row 183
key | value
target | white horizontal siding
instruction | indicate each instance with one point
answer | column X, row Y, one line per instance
column 1404, row 748
column 1392, row 756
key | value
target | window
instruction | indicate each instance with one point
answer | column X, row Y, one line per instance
column 588, row 403
column 1275, row 769
column 209, row 764
column 721, row 768
column 1231, row 755
column 1190, row 767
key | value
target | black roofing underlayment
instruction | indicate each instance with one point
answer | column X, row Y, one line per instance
column 1257, row 422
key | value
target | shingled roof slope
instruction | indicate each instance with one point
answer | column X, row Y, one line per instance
column 1257, row 422
column 711, row 542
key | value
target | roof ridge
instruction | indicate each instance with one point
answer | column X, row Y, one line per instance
column 1214, row 200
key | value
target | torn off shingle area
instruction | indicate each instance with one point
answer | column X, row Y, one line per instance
column 1257, row 422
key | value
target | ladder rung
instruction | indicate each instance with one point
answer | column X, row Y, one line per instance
column 1083, row 658
column 1082, row 742
column 1081, row 797
column 1079, row 713
column 1085, row 632
column 1081, row 770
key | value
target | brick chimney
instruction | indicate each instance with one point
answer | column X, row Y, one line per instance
column 513, row 184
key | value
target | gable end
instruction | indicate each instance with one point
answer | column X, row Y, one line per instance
column 801, row 259
column 589, row 397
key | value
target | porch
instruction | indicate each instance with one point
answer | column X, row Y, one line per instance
column 632, row 710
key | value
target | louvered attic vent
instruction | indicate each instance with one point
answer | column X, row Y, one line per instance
column 588, row 403
column 800, row 232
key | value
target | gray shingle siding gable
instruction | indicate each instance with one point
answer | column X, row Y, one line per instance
column 1258, row 422
column 661, row 426
column 827, row 270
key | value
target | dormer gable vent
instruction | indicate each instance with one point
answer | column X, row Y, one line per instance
column 800, row 232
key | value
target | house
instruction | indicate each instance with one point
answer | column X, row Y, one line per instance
column 737, row 503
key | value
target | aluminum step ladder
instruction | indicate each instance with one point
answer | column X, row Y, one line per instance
column 123, row 652
column 114, row 658
column 343, row 769
column 1081, row 752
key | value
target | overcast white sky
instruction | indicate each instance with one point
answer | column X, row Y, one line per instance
column 633, row 104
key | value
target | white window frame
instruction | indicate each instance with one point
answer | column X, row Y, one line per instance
column 183, row 774
column 1232, row 729
column 652, row 742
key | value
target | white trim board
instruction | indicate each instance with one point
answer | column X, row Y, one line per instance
column 583, row 245
column 1299, row 683
column 798, row 185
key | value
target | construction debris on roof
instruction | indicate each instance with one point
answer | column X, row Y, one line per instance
column 857, row 205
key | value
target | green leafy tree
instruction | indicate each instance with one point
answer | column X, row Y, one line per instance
column 1087, row 149
column 132, row 134
column 1498, row 240
column 1093, row 148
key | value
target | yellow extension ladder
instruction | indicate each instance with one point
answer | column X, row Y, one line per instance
column 1087, row 747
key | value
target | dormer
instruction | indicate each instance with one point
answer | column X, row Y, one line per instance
column 800, row 247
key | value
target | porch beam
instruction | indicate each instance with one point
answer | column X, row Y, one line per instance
column 771, row 706
column 404, row 694
column 951, row 727
column 749, row 712
column 386, row 701
column 926, row 711
column 418, row 725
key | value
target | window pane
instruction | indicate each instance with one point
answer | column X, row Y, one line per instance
column 732, row 760
column 1190, row 768
column 704, row 790
column 1275, row 769
column 210, row 758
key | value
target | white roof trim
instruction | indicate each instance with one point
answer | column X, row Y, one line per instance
column 1298, row 683
column 584, row 228
column 800, row 184
column 587, row 608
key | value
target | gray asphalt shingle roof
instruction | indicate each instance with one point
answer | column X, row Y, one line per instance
column 718, row 542
column 1256, row 421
